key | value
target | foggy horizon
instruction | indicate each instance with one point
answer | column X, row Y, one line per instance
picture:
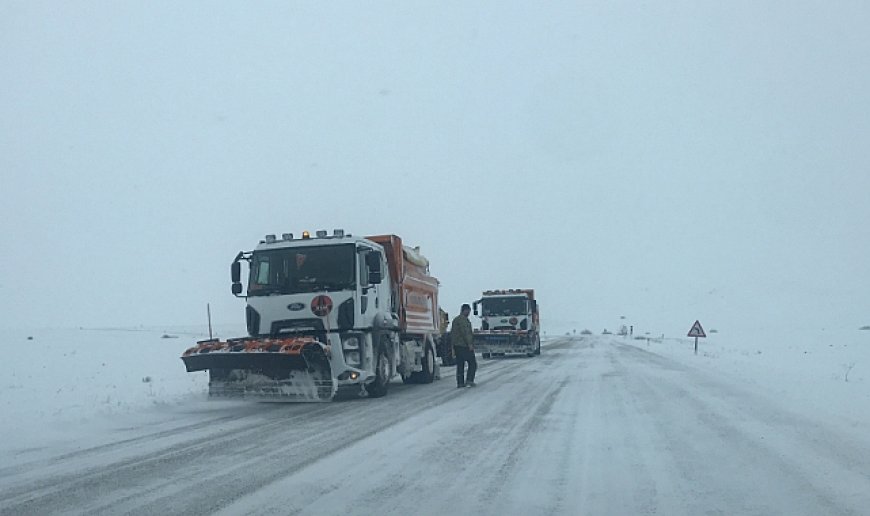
column 663, row 163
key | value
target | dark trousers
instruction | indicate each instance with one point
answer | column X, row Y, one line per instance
column 464, row 355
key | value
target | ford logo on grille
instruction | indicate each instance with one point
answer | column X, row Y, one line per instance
column 295, row 307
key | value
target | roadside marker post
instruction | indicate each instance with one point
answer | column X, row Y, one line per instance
column 697, row 331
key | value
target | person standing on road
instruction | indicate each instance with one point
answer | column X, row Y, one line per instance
column 462, row 338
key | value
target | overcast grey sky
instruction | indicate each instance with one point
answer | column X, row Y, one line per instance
column 666, row 161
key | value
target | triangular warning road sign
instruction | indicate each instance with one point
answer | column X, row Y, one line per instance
column 696, row 330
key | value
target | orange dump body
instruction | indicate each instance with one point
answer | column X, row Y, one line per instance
column 416, row 291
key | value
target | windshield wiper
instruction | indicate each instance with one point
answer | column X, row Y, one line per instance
column 316, row 285
column 266, row 290
column 328, row 286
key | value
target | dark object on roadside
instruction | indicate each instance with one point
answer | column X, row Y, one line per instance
column 168, row 336
column 864, row 328
column 586, row 332
column 445, row 350
column 714, row 330
column 30, row 338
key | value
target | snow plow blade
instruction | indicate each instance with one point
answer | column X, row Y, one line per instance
column 499, row 342
column 284, row 369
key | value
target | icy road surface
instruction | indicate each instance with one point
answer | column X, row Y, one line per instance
column 594, row 426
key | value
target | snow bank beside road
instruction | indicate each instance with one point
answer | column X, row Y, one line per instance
column 825, row 373
column 65, row 378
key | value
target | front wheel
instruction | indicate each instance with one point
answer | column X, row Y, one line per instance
column 379, row 387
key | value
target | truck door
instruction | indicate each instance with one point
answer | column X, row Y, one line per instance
column 371, row 276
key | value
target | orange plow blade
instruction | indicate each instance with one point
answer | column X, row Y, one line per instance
column 284, row 369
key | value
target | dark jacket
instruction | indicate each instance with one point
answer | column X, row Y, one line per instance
column 460, row 333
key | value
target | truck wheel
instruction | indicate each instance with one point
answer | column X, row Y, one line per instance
column 538, row 349
column 379, row 387
column 427, row 375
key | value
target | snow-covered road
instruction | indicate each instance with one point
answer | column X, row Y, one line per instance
column 595, row 425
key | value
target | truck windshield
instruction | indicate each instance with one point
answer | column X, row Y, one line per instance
column 505, row 306
column 302, row 269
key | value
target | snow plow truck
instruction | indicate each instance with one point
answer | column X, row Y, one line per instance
column 509, row 323
column 326, row 314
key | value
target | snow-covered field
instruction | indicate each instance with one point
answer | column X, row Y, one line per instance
column 814, row 372
column 754, row 424
column 64, row 379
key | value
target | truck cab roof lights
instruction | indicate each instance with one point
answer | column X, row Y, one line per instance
column 287, row 236
column 321, row 233
column 270, row 239
column 513, row 291
column 306, row 235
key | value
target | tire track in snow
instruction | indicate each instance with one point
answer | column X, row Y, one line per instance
column 849, row 451
column 429, row 464
column 717, row 444
column 205, row 470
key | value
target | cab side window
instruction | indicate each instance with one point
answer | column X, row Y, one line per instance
column 363, row 269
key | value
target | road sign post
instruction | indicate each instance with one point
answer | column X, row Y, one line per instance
column 697, row 331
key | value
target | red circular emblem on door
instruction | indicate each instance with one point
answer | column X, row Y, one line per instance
column 321, row 306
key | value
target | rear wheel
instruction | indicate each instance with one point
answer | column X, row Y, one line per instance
column 379, row 387
column 427, row 375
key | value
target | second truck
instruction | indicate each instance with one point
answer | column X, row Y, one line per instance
column 510, row 323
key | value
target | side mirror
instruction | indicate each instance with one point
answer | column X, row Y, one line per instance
column 236, row 272
column 375, row 277
column 237, row 288
column 475, row 308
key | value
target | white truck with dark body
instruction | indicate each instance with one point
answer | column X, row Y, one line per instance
column 510, row 323
column 326, row 315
